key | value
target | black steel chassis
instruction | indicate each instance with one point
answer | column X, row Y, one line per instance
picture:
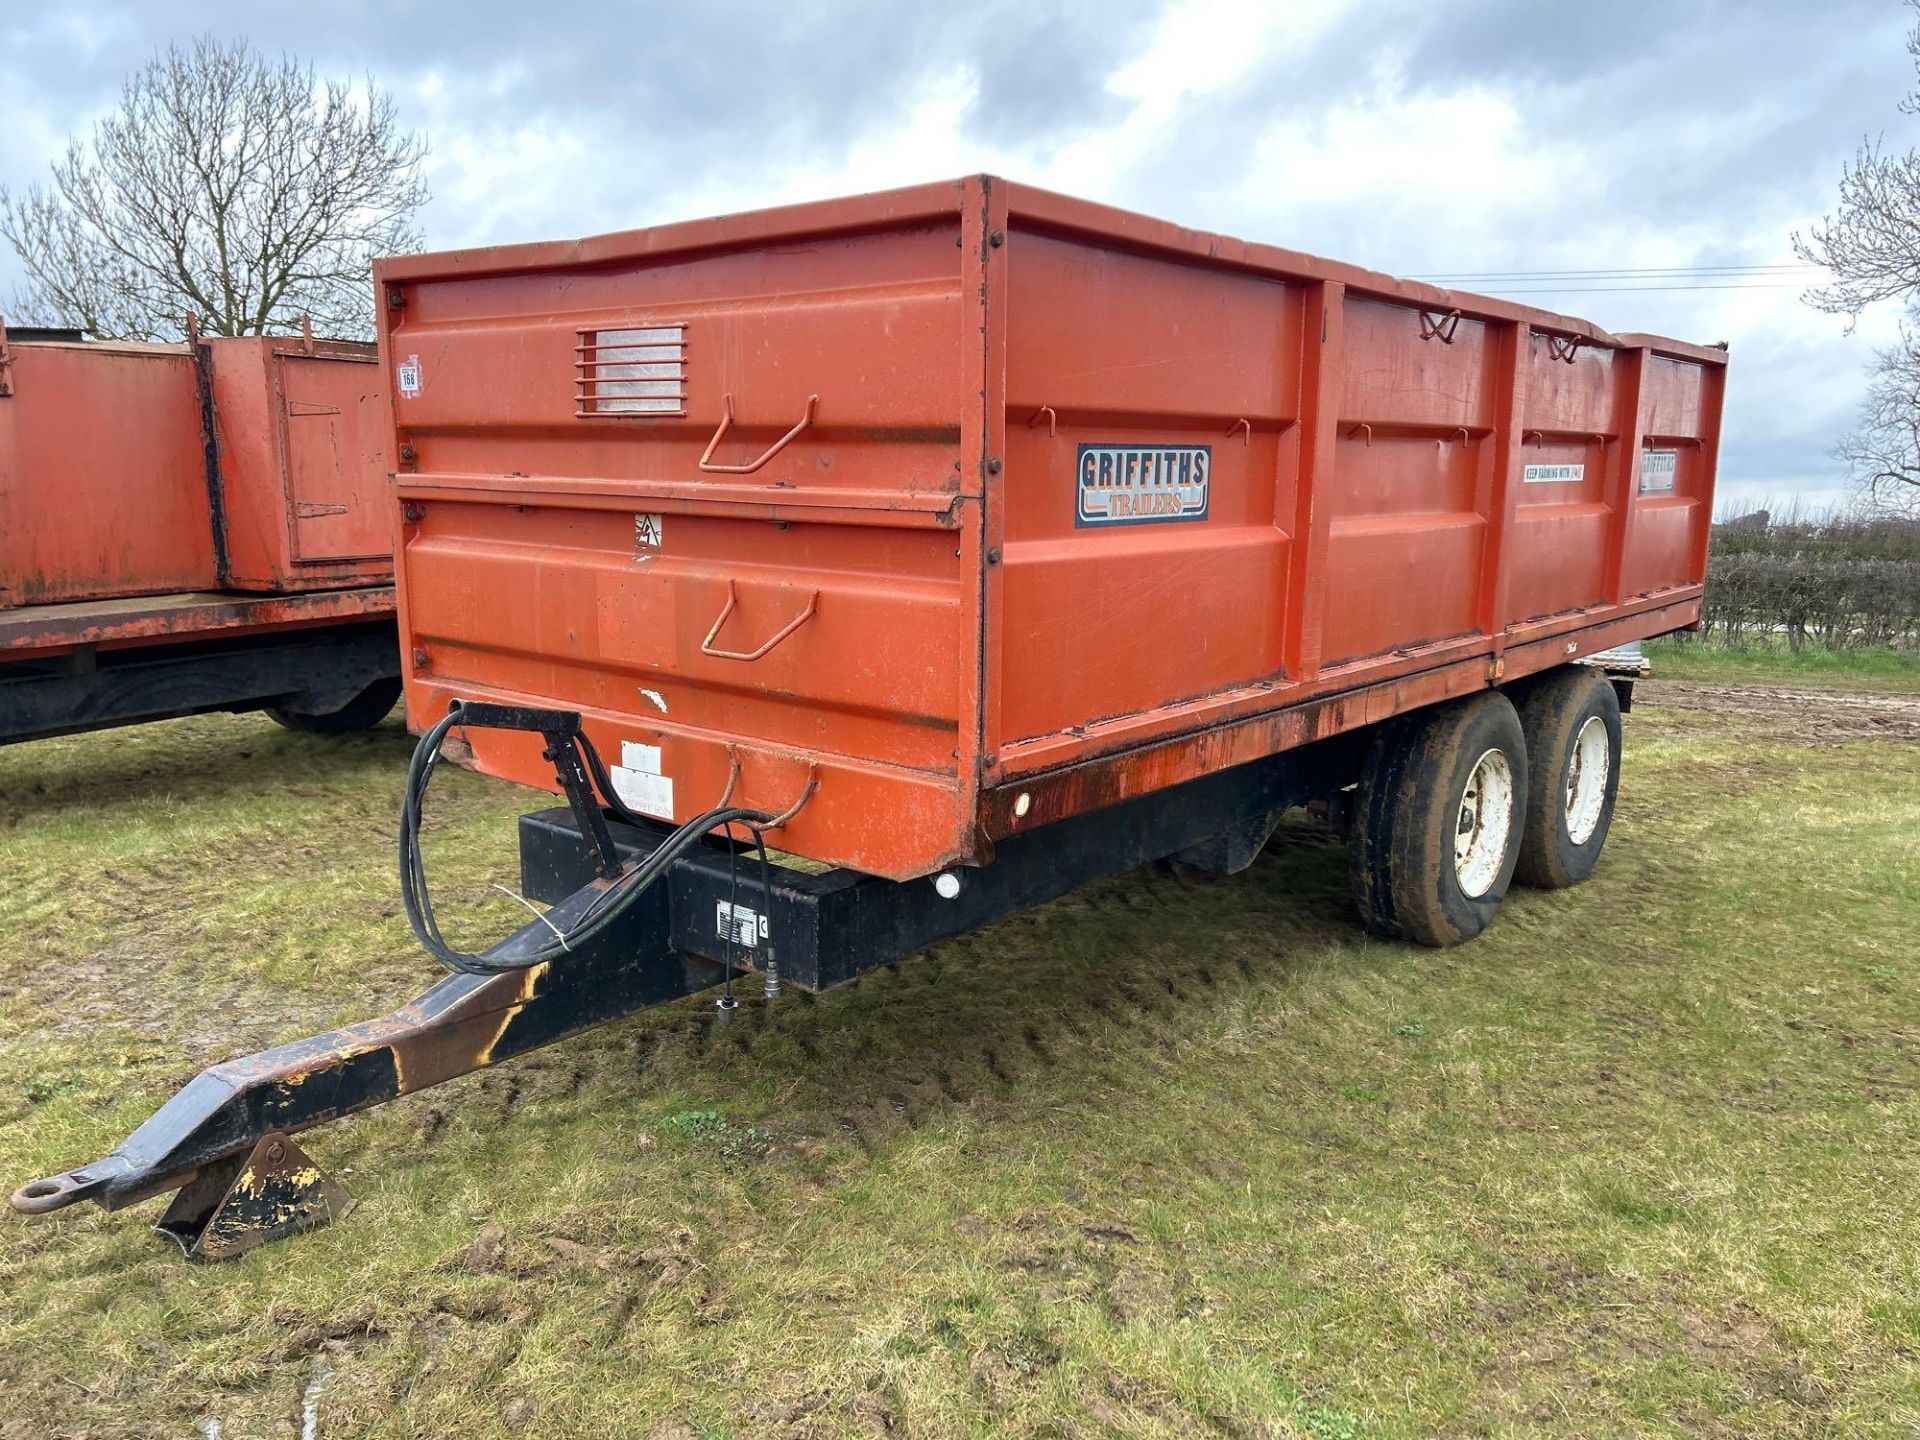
column 316, row 670
column 224, row 1141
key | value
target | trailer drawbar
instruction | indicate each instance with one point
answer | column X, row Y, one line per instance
column 641, row 913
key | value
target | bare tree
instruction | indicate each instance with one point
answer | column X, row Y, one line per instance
column 226, row 184
column 1883, row 451
column 1870, row 245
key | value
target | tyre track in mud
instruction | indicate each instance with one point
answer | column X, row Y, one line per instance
column 1815, row 717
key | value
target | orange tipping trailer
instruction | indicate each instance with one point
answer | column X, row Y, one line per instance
column 978, row 543
column 192, row 527
column 964, row 508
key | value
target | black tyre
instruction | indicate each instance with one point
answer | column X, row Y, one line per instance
column 1437, row 818
column 1571, row 719
column 363, row 712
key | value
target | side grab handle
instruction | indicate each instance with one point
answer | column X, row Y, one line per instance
column 707, row 647
column 726, row 423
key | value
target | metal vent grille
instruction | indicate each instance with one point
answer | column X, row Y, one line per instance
column 636, row 373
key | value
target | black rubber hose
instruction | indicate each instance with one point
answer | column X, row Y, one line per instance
column 597, row 769
column 619, row 895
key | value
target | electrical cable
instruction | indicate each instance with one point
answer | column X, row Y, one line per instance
column 614, row 901
column 1665, row 272
column 1605, row 281
column 770, row 985
column 1630, row 289
column 726, row 1003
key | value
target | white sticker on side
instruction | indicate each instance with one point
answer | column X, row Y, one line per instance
column 1553, row 474
column 647, row 531
column 743, row 926
column 1657, row 471
column 649, row 794
column 407, row 376
column 638, row 782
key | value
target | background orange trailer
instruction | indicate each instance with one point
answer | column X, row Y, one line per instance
column 192, row 527
column 977, row 542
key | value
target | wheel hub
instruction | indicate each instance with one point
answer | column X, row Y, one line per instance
column 1587, row 773
column 1484, row 825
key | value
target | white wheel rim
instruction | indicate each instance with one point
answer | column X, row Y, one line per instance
column 1485, row 822
column 1587, row 771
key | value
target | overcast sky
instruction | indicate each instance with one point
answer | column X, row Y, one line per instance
column 1413, row 136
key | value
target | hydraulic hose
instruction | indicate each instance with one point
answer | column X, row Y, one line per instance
column 619, row 895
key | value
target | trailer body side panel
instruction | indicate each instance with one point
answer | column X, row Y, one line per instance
column 103, row 479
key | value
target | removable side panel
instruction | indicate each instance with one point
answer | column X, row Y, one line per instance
column 1151, row 448
column 1557, row 556
column 303, row 463
column 729, row 528
column 103, row 481
column 1411, row 484
column 729, row 648
column 850, row 340
column 1672, row 501
column 332, row 415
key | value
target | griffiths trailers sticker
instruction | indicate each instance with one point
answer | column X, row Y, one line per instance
column 1142, row 484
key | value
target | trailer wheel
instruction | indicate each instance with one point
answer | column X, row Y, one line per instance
column 1436, row 822
column 363, row 712
column 1571, row 719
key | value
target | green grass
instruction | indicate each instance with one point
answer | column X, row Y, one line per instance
column 1176, row 1155
column 1768, row 661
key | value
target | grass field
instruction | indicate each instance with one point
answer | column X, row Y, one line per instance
column 1877, row 667
column 1175, row 1156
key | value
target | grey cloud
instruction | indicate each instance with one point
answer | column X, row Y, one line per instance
column 1556, row 44
column 1637, row 84
column 721, row 80
column 1736, row 113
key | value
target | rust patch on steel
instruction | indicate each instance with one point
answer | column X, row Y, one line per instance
column 273, row 1191
column 44, row 629
column 1024, row 803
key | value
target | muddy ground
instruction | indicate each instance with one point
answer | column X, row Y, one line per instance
column 1815, row 716
column 1175, row 1156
